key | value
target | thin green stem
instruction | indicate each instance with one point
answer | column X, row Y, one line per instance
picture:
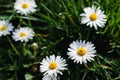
column 12, row 45
column 35, row 52
column 20, row 21
column 11, row 16
column 86, row 65
column 14, row 62
column 16, row 70
column 88, row 34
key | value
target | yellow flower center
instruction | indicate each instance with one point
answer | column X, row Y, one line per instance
column 93, row 17
column 23, row 34
column 25, row 5
column 81, row 51
column 53, row 65
column 3, row 28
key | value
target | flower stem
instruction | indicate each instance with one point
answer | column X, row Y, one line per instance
column 15, row 65
column 88, row 34
column 12, row 46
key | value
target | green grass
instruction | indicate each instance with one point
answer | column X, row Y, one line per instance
column 56, row 24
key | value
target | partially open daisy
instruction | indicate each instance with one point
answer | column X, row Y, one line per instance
column 23, row 34
column 5, row 28
column 81, row 51
column 93, row 17
column 25, row 6
column 53, row 65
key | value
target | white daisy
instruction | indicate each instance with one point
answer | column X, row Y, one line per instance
column 25, row 6
column 53, row 65
column 81, row 51
column 23, row 34
column 93, row 17
column 5, row 28
column 50, row 77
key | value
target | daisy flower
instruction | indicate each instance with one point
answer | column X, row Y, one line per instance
column 81, row 51
column 5, row 28
column 25, row 7
column 93, row 17
column 50, row 77
column 53, row 65
column 23, row 34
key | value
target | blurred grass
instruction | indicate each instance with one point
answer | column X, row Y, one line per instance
column 56, row 24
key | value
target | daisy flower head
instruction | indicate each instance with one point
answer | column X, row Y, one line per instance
column 25, row 7
column 5, row 28
column 53, row 65
column 23, row 34
column 81, row 51
column 93, row 17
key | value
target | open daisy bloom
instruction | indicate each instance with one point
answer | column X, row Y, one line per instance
column 81, row 51
column 5, row 28
column 23, row 34
column 53, row 65
column 93, row 17
column 25, row 6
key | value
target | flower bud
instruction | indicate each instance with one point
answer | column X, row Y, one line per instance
column 35, row 45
